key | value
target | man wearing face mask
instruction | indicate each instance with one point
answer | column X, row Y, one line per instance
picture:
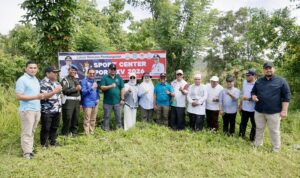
column 131, row 102
column 112, row 86
column 71, row 102
column 272, row 95
column 163, row 92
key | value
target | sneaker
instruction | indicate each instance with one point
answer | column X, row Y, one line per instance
column 27, row 156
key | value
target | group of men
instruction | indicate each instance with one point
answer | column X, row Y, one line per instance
column 264, row 101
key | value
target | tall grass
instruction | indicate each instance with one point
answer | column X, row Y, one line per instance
column 147, row 150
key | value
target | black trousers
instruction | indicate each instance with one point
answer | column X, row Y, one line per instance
column 212, row 119
column 229, row 123
column 50, row 125
column 70, row 116
column 196, row 121
column 177, row 119
column 244, row 121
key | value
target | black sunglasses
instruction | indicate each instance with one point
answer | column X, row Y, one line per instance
column 179, row 74
column 113, row 69
column 132, row 77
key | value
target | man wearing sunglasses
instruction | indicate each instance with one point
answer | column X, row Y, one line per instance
column 112, row 86
column 90, row 99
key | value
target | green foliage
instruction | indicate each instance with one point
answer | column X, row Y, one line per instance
column 11, row 67
column 54, row 22
column 115, row 18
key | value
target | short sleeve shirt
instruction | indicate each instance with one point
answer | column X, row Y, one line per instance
column 112, row 96
column 163, row 99
column 29, row 86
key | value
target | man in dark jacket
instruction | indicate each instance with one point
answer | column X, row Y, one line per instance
column 272, row 95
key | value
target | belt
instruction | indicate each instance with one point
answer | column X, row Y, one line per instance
column 73, row 98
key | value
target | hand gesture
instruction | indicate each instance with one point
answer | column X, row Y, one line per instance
column 254, row 98
column 57, row 89
column 78, row 88
column 95, row 85
column 129, row 89
column 113, row 85
column 245, row 98
column 167, row 92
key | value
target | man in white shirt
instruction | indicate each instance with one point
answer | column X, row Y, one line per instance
column 212, row 103
column 178, row 104
column 157, row 67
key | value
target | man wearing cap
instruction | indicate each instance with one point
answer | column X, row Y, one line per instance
column 229, row 105
column 112, row 86
column 64, row 69
column 51, row 107
column 157, row 67
column 71, row 102
column 212, row 103
column 177, row 120
column 272, row 95
column 90, row 100
column 29, row 96
column 163, row 92
column 247, row 105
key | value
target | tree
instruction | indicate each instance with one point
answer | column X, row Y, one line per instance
column 180, row 27
column 115, row 18
column 54, row 22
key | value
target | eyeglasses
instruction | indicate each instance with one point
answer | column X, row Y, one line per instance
column 113, row 69
column 91, row 73
column 132, row 77
column 179, row 74
column 146, row 77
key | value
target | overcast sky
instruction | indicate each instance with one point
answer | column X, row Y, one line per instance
column 10, row 11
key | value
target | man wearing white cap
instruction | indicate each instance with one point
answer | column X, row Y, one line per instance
column 212, row 102
column 196, row 97
column 177, row 120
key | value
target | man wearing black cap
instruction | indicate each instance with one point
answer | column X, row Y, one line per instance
column 272, row 95
column 50, row 107
column 112, row 86
column 163, row 92
column 71, row 102
column 247, row 105
column 229, row 105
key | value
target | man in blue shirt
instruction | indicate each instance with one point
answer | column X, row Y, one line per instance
column 163, row 92
column 90, row 99
column 28, row 93
column 229, row 105
column 272, row 95
column 246, row 107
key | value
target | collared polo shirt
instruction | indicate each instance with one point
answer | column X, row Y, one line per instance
column 29, row 86
column 163, row 99
column 271, row 93
column 112, row 96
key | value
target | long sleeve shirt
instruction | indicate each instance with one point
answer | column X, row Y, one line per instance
column 145, row 93
column 271, row 93
column 90, row 96
column 197, row 93
column 246, row 91
column 229, row 104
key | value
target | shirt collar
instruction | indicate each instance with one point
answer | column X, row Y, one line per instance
column 29, row 76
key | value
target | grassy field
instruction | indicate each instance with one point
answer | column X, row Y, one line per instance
column 147, row 151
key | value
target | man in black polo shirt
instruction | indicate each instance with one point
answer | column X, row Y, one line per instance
column 272, row 95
